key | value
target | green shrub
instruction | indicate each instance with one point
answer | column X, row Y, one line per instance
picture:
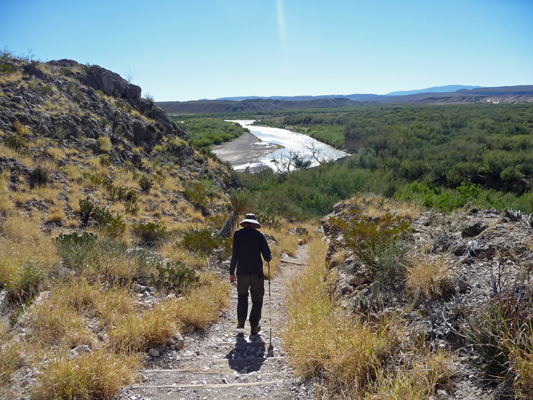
column 15, row 142
column 131, row 208
column 40, row 175
column 67, row 71
column 145, row 183
column 200, row 241
column 150, row 232
column 376, row 241
column 87, row 208
column 177, row 276
column 199, row 193
column 93, row 257
column 24, row 286
column 6, row 69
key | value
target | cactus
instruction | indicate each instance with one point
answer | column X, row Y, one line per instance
column 178, row 277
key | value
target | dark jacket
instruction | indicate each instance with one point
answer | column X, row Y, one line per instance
column 248, row 245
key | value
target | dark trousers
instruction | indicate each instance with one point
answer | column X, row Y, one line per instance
column 255, row 284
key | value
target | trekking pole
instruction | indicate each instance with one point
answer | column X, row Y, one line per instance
column 270, row 348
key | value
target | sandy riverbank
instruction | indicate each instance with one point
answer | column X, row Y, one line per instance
column 245, row 150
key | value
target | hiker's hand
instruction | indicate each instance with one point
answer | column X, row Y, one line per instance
column 233, row 279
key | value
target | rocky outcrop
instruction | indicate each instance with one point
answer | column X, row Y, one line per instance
column 77, row 104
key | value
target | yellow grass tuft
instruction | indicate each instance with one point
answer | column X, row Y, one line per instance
column 10, row 355
column 135, row 332
column 105, row 143
column 55, row 153
column 54, row 323
column 201, row 306
column 374, row 206
column 95, row 375
column 56, row 214
column 429, row 276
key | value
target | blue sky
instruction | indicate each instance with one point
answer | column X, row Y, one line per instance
column 194, row 49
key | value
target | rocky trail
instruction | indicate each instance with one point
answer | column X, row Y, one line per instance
column 228, row 363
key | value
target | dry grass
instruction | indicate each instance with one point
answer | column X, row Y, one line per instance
column 54, row 323
column 417, row 379
column 356, row 358
column 10, row 355
column 5, row 203
column 375, row 206
column 72, row 172
column 48, row 194
column 56, row 214
column 55, row 153
column 27, row 255
column 105, row 144
column 286, row 243
column 210, row 297
column 428, row 276
column 135, row 332
column 95, row 375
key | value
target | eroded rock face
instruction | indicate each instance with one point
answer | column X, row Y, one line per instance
column 71, row 102
column 481, row 246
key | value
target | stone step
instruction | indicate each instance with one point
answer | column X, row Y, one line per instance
column 278, row 390
column 207, row 386
column 223, row 376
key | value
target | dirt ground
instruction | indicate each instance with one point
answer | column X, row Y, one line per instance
column 228, row 363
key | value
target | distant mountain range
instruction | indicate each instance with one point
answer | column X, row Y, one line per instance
column 356, row 97
column 436, row 95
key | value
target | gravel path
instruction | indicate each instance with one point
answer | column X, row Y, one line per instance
column 227, row 363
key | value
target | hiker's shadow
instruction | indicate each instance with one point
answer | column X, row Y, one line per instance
column 248, row 354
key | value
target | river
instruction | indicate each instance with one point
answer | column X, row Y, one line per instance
column 275, row 143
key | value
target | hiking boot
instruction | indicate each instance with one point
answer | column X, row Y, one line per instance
column 240, row 324
column 255, row 329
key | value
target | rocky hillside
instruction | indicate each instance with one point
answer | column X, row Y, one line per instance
column 62, row 116
column 461, row 281
column 78, row 104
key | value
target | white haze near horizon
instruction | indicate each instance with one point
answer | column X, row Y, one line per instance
column 291, row 142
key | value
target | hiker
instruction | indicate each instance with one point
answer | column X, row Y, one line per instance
column 248, row 246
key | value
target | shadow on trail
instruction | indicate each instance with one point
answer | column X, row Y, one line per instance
column 247, row 355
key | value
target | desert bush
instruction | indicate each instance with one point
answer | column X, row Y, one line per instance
column 145, row 183
column 6, row 69
column 199, row 193
column 87, row 208
column 201, row 241
column 376, row 241
column 150, row 232
column 40, row 175
column 15, row 142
